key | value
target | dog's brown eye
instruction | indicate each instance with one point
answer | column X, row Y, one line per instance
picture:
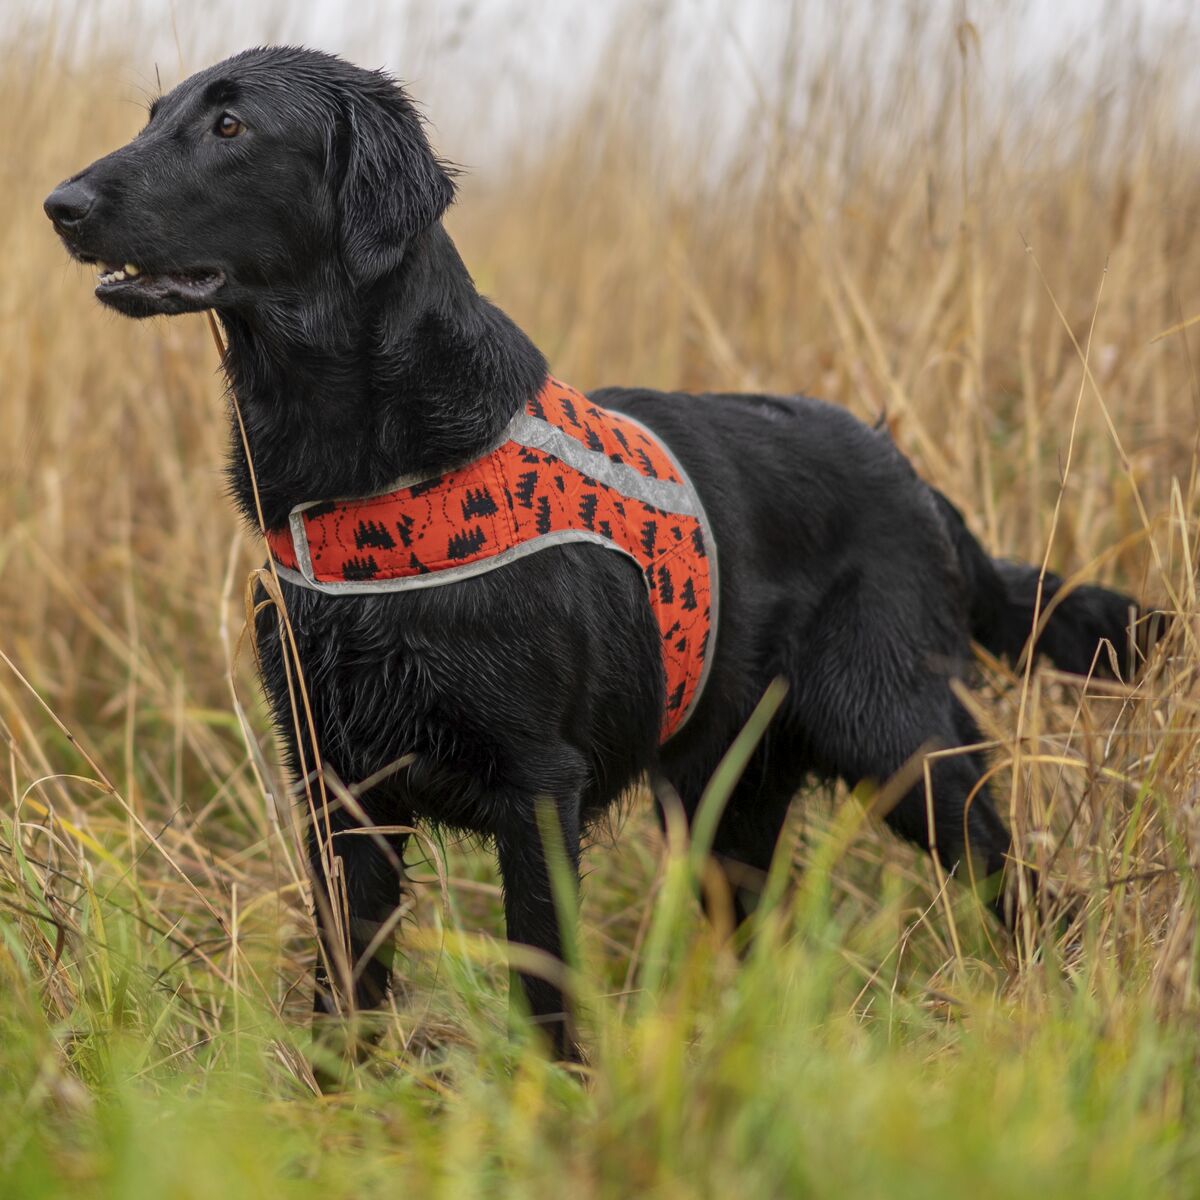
column 227, row 126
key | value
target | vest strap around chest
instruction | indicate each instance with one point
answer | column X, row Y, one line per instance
column 565, row 471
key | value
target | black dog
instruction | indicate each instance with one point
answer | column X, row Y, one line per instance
column 297, row 196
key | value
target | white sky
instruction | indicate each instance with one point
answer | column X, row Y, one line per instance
column 483, row 68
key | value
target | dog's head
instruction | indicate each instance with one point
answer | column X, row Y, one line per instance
column 254, row 179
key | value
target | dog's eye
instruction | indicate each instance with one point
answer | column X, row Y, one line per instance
column 228, row 126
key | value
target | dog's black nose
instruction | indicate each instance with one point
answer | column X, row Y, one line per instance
column 69, row 203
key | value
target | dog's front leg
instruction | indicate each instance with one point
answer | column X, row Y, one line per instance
column 538, row 849
column 358, row 880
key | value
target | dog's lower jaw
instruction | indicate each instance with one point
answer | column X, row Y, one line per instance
column 147, row 295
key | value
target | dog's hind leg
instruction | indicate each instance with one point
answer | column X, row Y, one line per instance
column 949, row 811
column 966, row 834
column 872, row 701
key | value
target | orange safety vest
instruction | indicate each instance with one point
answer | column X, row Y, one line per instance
column 566, row 470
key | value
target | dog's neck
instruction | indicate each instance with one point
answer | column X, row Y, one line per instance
column 422, row 375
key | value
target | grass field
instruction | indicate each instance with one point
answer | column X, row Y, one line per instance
column 999, row 267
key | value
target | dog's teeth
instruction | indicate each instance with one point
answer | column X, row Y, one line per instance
column 131, row 270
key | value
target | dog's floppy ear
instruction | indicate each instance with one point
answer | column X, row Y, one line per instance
column 392, row 186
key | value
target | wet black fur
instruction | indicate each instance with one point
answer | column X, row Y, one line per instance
column 360, row 351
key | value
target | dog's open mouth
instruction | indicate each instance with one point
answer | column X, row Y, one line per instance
column 131, row 282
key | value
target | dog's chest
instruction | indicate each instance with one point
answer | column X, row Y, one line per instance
column 514, row 683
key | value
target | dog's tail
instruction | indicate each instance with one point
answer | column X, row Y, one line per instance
column 1088, row 630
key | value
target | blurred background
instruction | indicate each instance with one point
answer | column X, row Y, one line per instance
column 974, row 221
column 494, row 71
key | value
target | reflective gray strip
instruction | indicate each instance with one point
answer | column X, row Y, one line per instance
column 300, row 544
column 659, row 493
column 443, row 575
column 540, row 435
